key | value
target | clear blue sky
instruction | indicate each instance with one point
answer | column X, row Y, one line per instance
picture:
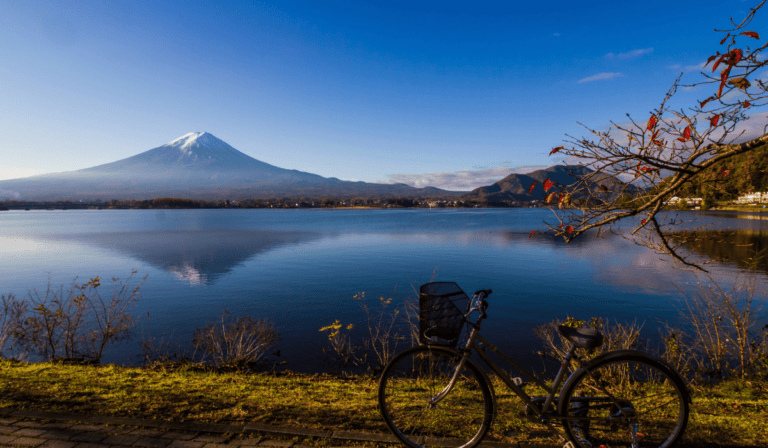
column 452, row 94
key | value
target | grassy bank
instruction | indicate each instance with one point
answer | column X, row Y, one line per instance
column 733, row 414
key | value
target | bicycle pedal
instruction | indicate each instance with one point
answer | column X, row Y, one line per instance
column 517, row 381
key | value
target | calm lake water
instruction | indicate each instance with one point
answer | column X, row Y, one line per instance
column 301, row 268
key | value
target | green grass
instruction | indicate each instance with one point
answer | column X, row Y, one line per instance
column 733, row 414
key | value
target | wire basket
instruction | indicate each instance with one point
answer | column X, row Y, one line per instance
column 442, row 306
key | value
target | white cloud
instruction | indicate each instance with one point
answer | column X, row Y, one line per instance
column 464, row 180
column 630, row 54
column 600, row 77
column 556, row 34
column 688, row 68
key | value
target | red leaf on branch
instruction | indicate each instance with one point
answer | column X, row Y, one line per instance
column 604, row 187
column 735, row 57
column 713, row 121
column 549, row 197
column 746, row 104
column 548, row 184
column 658, row 142
column 530, row 189
column 687, row 133
column 725, row 38
column 642, row 223
column 555, row 150
column 751, row 34
column 703, row 103
column 725, row 172
column 532, row 232
column 651, row 122
column 723, row 78
column 569, row 230
column 711, row 58
column 646, row 169
column 722, row 57
column 655, row 134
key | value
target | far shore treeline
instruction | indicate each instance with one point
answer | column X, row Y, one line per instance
column 171, row 203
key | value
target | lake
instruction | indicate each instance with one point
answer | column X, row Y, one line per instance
column 300, row 268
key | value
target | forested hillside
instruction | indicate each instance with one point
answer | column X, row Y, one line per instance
column 744, row 173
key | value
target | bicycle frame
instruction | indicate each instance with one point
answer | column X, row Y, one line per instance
column 478, row 344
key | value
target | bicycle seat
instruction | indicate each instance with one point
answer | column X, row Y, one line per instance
column 582, row 337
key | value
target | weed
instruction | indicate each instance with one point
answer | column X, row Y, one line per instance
column 241, row 342
column 383, row 324
column 341, row 353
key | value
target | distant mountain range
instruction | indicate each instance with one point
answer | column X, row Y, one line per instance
column 514, row 188
column 197, row 166
column 201, row 166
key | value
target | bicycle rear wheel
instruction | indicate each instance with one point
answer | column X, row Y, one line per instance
column 628, row 400
column 408, row 389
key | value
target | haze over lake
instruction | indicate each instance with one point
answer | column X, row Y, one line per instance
column 301, row 268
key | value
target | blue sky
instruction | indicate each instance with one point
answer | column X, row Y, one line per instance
column 450, row 94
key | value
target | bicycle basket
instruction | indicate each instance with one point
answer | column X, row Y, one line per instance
column 442, row 306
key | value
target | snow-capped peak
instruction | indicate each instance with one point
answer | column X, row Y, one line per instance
column 186, row 143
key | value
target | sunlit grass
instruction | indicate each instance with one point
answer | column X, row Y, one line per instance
column 734, row 413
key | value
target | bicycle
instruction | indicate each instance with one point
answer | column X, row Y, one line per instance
column 436, row 395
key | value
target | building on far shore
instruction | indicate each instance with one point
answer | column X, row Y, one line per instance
column 691, row 202
column 753, row 198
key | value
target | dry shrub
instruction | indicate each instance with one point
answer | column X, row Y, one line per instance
column 722, row 335
column 13, row 311
column 241, row 342
column 77, row 323
column 617, row 336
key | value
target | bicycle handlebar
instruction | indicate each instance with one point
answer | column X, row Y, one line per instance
column 487, row 292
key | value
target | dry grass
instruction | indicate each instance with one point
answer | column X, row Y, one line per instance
column 733, row 412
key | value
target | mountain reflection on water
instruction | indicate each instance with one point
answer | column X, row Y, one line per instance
column 199, row 257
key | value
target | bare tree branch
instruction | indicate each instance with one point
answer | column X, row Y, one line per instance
column 637, row 168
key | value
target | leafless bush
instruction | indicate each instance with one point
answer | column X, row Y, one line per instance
column 725, row 336
column 77, row 323
column 617, row 336
column 241, row 342
column 111, row 320
column 13, row 311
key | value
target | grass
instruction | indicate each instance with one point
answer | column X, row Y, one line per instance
column 735, row 413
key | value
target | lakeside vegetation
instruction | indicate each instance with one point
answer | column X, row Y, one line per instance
column 226, row 373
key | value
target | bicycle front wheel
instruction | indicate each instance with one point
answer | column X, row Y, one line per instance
column 628, row 400
column 422, row 410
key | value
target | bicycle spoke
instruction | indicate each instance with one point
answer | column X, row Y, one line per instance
column 463, row 413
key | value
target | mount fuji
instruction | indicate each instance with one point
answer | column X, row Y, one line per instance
column 197, row 166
